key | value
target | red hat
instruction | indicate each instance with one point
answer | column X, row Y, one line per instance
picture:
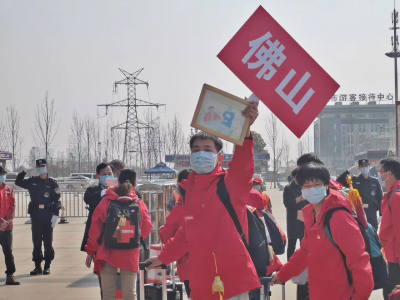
column 258, row 180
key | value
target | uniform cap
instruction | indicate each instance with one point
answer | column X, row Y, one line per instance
column 363, row 161
column 41, row 162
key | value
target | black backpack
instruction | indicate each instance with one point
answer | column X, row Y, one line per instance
column 278, row 237
column 258, row 245
column 127, row 236
column 373, row 247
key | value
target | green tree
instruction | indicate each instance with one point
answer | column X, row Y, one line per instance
column 259, row 143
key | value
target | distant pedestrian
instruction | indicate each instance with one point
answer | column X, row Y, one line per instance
column 294, row 202
column 7, row 212
column 44, row 209
column 93, row 196
column 369, row 188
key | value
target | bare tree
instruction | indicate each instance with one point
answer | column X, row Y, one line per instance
column 46, row 126
column 273, row 128
column 300, row 148
column 76, row 138
column 175, row 139
column 15, row 141
column 286, row 154
column 89, row 137
column 3, row 134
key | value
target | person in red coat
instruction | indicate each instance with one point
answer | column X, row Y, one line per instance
column 211, row 115
column 389, row 233
column 220, row 265
column 173, row 222
column 7, row 212
column 326, row 271
column 107, row 261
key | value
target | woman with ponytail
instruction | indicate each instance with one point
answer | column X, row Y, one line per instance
column 106, row 260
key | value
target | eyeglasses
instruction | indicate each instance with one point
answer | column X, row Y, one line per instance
column 315, row 185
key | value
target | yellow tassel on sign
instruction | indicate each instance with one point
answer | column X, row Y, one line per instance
column 218, row 284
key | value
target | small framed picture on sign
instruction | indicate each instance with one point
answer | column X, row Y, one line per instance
column 219, row 113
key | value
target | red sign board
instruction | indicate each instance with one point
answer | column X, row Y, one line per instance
column 279, row 71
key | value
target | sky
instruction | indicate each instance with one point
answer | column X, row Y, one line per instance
column 73, row 50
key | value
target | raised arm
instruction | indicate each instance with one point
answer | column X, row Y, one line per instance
column 21, row 182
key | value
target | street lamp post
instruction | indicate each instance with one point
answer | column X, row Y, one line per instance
column 395, row 54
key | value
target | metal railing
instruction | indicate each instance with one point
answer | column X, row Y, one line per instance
column 71, row 201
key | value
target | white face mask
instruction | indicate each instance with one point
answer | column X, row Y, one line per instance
column 203, row 162
column 257, row 187
column 314, row 195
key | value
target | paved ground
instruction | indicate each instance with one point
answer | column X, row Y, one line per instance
column 70, row 279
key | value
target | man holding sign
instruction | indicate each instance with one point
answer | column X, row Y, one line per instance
column 219, row 262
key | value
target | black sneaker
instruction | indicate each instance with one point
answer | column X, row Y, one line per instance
column 46, row 271
column 36, row 271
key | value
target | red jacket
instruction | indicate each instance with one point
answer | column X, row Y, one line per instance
column 326, row 272
column 7, row 205
column 211, row 117
column 173, row 222
column 390, row 226
column 122, row 259
column 209, row 229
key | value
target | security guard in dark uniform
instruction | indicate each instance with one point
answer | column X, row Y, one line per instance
column 369, row 188
column 43, row 208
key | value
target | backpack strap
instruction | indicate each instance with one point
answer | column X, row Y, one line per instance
column 390, row 196
column 226, row 201
column 327, row 225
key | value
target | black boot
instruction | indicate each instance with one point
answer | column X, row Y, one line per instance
column 37, row 271
column 46, row 270
column 11, row 280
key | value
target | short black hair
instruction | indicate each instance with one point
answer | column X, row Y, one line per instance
column 391, row 164
column 127, row 175
column 206, row 136
column 101, row 166
column 117, row 164
column 294, row 172
column 307, row 158
column 184, row 174
column 312, row 171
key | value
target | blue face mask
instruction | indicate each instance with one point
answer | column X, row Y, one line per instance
column 2, row 178
column 42, row 170
column 364, row 171
column 314, row 195
column 203, row 162
column 104, row 178
column 382, row 182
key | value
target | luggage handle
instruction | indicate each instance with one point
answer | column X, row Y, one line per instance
column 265, row 288
column 144, row 265
column 142, row 268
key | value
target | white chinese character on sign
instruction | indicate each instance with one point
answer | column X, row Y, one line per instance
column 289, row 97
column 266, row 57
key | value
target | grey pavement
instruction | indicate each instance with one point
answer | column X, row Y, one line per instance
column 70, row 279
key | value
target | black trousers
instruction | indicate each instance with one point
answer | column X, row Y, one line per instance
column 394, row 279
column 187, row 288
column 6, row 244
column 42, row 231
column 372, row 217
